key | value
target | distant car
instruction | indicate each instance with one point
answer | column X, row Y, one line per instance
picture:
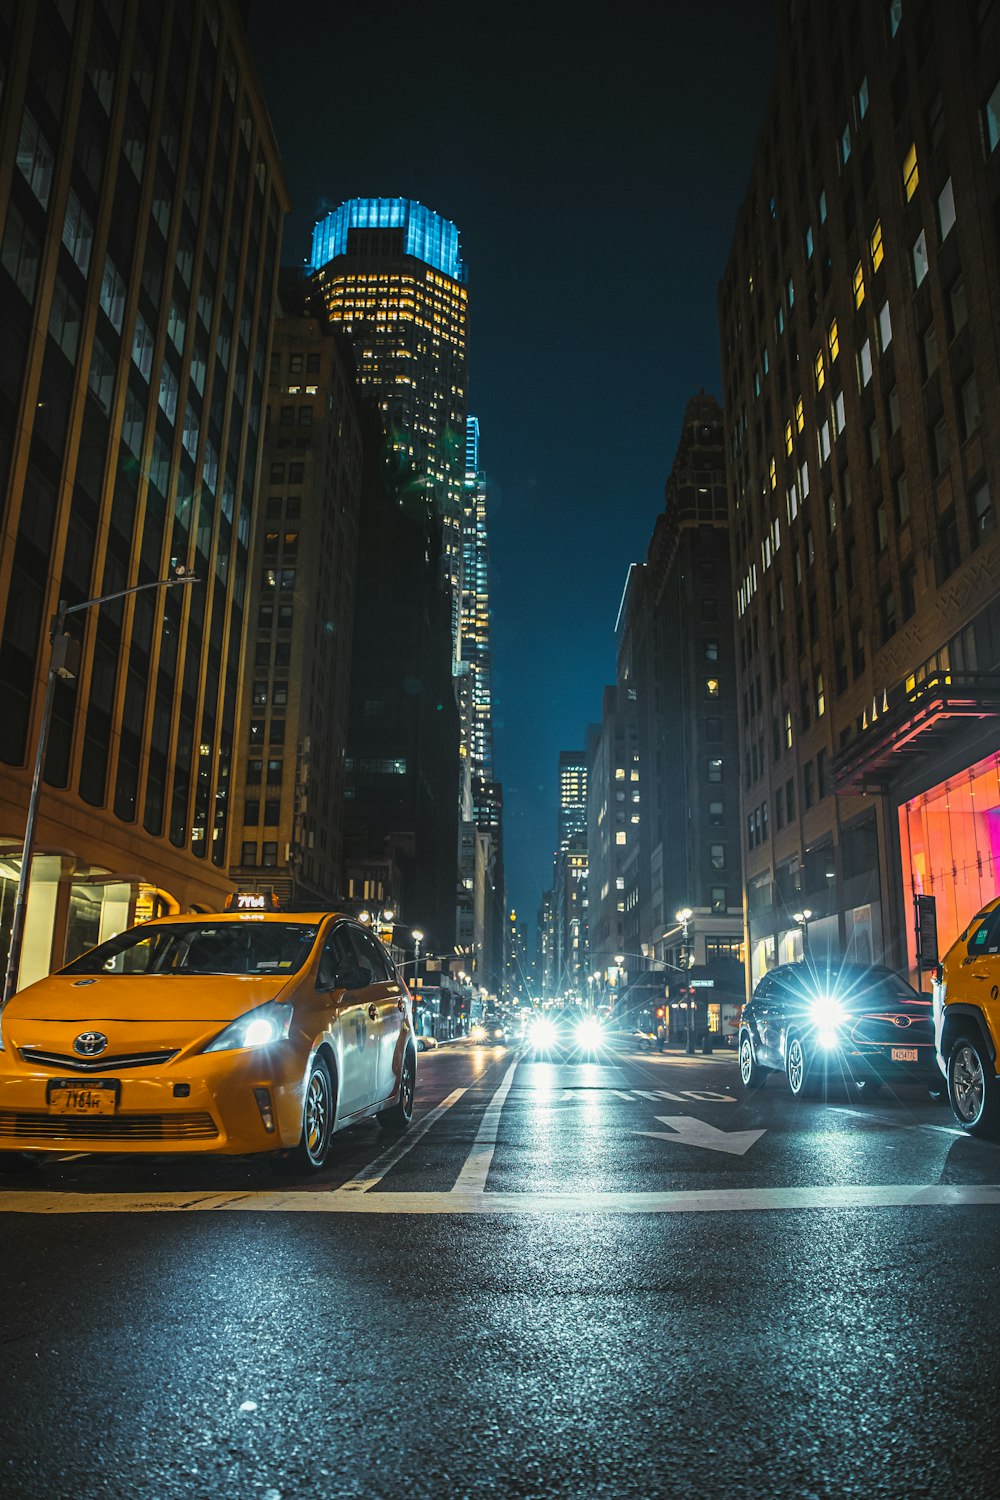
column 426, row 1043
column 238, row 1033
column 859, row 1024
column 565, row 1031
column 967, row 1023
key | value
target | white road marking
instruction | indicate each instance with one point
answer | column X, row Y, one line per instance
column 687, row 1201
column 376, row 1170
column 688, row 1131
column 476, row 1167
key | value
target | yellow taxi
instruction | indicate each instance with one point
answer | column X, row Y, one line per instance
column 967, row 1022
column 246, row 1032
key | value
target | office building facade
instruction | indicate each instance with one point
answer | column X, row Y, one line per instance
column 288, row 785
column 861, row 370
column 141, row 203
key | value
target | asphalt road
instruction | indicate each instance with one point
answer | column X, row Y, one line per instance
column 617, row 1278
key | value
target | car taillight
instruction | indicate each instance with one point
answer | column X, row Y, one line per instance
column 937, row 973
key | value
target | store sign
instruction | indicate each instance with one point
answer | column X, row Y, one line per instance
column 703, row 984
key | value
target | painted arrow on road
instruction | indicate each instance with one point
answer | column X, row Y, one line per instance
column 690, row 1132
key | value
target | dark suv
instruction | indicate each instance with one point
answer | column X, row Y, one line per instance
column 849, row 1022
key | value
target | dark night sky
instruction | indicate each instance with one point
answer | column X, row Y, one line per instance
column 594, row 164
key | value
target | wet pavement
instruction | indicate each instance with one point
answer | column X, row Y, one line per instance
column 612, row 1277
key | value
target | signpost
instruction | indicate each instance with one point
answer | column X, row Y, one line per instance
column 925, row 927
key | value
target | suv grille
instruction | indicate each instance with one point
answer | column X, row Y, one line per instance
column 74, row 1064
column 193, row 1126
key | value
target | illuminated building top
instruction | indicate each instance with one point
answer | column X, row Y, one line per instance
column 428, row 237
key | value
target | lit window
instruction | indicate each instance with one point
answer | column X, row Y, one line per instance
column 715, row 769
column 773, row 471
column 910, row 174
column 820, row 369
column 788, row 438
column 884, row 326
column 833, row 339
column 859, row 285
column 711, row 687
column 946, row 209
column 865, row 364
column 788, row 729
column 820, row 696
column 993, row 118
column 919, row 258
column 800, row 420
column 621, row 836
column 619, row 774
column 876, row 243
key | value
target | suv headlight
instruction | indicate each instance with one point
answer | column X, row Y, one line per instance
column 828, row 1016
column 264, row 1024
column 589, row 1033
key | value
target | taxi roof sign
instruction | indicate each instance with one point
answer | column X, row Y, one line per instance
column 252, row 901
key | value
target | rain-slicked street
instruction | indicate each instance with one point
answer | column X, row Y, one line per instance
column 496, row 1301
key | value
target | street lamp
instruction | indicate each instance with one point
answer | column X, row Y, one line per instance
column 803, row 918
column 64, row 662
column 684, row 917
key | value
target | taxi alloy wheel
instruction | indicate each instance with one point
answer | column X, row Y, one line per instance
column 752, row 1075
column 973, row 1088
column 399, row 1115
column 317, row 1123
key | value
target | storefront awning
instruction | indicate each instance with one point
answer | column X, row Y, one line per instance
column 915, row 721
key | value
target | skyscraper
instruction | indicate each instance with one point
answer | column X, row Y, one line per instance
column 390, row 272
column 475, row 669
column 572, row 796
column 140, row 222
column 861, row 371
column 289, row 775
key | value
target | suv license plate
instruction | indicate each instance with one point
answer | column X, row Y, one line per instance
column 78, row 1096
column 904, row 1054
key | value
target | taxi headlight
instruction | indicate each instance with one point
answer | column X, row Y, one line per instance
column 589, row 1033
column 264, row 1024
column 827, row 1015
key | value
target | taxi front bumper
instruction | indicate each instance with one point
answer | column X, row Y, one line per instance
column 207, row 1102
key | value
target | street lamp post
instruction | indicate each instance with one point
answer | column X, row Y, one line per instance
column 803, row 918
column 684, row 917
column 64, row 662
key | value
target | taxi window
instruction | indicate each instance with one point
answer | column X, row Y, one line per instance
column 986, row 938
column 245, row 948
column 337, row 955
column 370, row 956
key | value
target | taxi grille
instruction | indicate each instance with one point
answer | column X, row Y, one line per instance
column 191, row 1126
column 74, row 1064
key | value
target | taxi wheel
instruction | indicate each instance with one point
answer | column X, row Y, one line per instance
column 973, row 1088
column 317, row 1124
column 399, row 1115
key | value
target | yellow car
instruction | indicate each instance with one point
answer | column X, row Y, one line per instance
column 239, row 1033
column 967, row 1022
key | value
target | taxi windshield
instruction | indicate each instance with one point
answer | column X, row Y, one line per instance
column 241, row 947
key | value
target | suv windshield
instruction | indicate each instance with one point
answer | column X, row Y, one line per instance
column 202, row 948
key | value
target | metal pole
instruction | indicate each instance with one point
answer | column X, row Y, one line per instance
column 21, row 899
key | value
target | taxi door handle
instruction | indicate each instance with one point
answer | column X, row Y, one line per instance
column 400, row 1004
column 373, row 1012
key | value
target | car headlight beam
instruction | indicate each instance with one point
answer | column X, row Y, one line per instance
column 259, row 1027
column 543, row 1032
column 589, row 1034
column 828, row 1016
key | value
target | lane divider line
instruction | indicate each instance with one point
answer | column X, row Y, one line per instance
column 476, row 1167
column 684, row 1201
column 376, row 1170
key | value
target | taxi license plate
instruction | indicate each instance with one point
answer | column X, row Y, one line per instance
column 83, row 1096
column 904, row 1054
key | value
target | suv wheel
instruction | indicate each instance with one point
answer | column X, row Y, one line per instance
column 752, row 1075
column 973, row 1088
column 799, row 1069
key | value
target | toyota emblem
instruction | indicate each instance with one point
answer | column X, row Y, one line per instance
column 90, row 1043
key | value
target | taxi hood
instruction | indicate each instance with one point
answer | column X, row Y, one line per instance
column 143, row 997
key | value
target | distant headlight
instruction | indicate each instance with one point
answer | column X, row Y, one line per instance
column 543, row 1032
column 827, row 1015
column 258, row 1028
column 589, row 1033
